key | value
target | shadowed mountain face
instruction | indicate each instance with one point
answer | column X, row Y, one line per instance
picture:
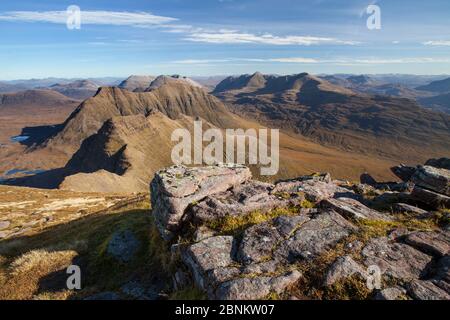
column 173, row 100
column 440, row 102
column 377, row 125
column 440, row 86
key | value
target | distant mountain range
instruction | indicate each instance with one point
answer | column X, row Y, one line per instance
column 338, row 116
column 116, row 139
column 80, row 89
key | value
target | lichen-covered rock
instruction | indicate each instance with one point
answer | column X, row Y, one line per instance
column 258, row 243
column 203, row 233
column 174, row 189
column 426, row 290
column 392, row 293
column 431, row 178
column 260, row 240
column 353, row 209
column 434, row 243
column 388, row 198
column 406, row 208
column 430, row 198
column 396, row 260
column 315, row 188
column 256, row 288
column 241, row 200
column 343, row 267
column 208, row 254
column 314, row 237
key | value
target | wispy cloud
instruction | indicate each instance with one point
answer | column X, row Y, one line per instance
column 399, row 60
column 119, row 18
column 235, row 37
column 191, row 33
column 302, row 60
column 437, row 43
column 232, row 60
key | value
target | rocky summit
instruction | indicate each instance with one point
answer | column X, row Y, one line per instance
column 312, row 237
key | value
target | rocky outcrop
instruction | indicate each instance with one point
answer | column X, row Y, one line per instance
column 244, row 239
column 395, row 260
column 430, row 198
column 434, row 179
column 443, row 163
column 354, row 209
column 342, row 268
column 173, row 190
column 403, row 172
column 434, row 243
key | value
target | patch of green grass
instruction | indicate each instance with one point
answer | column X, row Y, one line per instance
column 273, row 296
column 352, row 288
column 188, row 294
column 233, row 225
column 306, row 204
column 282, row 195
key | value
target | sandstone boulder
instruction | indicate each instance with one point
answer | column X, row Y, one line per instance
column 392, row 293
column 208, row 254
column 174, row 189
column 395, row 260
column 240, row 200
column 433, row 243
column 434, row 179
column 343, row 267
column 353, row 209
column 426, row 290
column 256, row 288
column 406, row 208
column 260, row 240
column 430, row 198
column 314, row 237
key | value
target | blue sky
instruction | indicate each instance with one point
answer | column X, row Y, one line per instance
column 218, row 37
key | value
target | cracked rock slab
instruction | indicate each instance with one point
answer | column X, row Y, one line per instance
column 431, row 178
column 353, row 209
column 260, row 240
column 392, row 293
column 256, row 288
column 430, row 198
column 426, row 290
column 342, row 268
column 314, row 188
column 315, row 236
column 208, row 254
column 396, row 260
column 406, row 208
column 240, row 200
column 434, row 243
